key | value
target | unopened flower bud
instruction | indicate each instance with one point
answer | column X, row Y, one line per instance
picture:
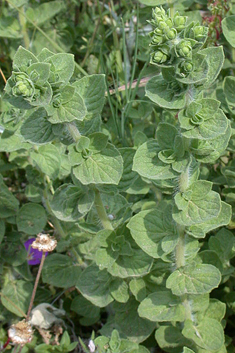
column 159, row 57
column 179, row 22
column 171, row 33
column 184, row 48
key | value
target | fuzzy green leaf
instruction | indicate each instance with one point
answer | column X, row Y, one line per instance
column 95, row 286
column 60, row 271
column 19, row 293
column 101, row 168
column 228, row 25
column 37, row 129
column 148, row 228
column 158, row 91
column 47, row 159
column 208, row 334
column 92, row 90
column 148, row 165
column 31, row 218
column 162, row 306
column 197, row 279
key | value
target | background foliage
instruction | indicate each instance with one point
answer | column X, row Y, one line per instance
column 119, row 141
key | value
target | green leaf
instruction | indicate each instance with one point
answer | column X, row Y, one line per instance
column 129, row 176
column 198, row 279
column 74, row 109
column 171, row 339
column 19, row 294
column 210, row 128
column 84, row 307
column 92, row 89
column 98, row 141
column 228, row 24
column 162, row 306
column 166, row 134
column 223, row 243
column 148, row 228
column 157, row 90
column 10, row 28
column 215, row 61
column 37, row 129
column 31, row 218
column 71, row 202
column 47, row 159
column 95, row 286
column 12, row 141
column 13, row 253
column 60, row 271
column 137, row 265
column 44, row 12
column 119, row 290
column 9, row 205
column 138, row 288
column 23, row 57
column 193, row 211
column 148, row 165
column 101, row 168
column 216, row 310
column 130, row 324
column 223, row 218
column 229, row 87
column 208, row 334
column 63, row 65
column 41, row 70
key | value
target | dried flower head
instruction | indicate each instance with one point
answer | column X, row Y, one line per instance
column 21, row 333
column 44, row 243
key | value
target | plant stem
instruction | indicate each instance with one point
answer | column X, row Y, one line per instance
column 3, row 76
column 179, row 250
column 22, row 18
column 36, row 285
column 101, row 211
column 74, row 132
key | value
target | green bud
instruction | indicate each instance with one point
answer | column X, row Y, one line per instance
column 179, row 22
column 184, row 48
column 169, row 22
column 197, row 119
column 56, row 101
column 158, row 31
column 159, row 57
column 23, row 87
column 156, row 40
column 171, row 34
column 158, row 11
column 162, row 24
column 200, row 32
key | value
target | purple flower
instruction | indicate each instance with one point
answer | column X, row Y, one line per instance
column 34, row 256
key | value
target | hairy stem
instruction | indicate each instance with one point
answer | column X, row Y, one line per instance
column 74, row 132
column 101, row 211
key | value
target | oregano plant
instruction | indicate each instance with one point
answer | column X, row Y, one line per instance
column 141, row 224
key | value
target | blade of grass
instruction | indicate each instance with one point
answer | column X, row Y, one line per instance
column 135, row 52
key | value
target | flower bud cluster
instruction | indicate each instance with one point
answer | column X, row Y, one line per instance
column 174, row 42
column 23, row 85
